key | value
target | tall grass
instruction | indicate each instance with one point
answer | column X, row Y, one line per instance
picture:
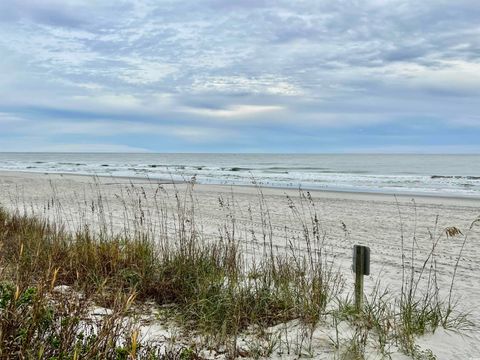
column 207, row 281
column 212, row 287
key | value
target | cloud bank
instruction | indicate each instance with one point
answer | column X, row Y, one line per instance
column 240, row 76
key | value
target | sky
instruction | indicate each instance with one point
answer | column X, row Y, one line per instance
column 303, row 76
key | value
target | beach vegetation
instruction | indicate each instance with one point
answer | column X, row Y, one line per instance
column 210, row 288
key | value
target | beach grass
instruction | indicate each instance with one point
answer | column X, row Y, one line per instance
column 209, row 287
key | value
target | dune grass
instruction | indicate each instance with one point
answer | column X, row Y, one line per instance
column 210, row 286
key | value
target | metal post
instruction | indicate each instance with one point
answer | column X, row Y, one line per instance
column 361, row 266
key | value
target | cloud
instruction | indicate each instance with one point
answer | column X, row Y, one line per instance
column 103, row 148
column 108, row 129
column 266, row 84
column 50, row 12
column 467, row 121
column 39, row 144
column 237, row 111
column 108, row 101
column 6, row 119
column 144, row 72
column 208, row 69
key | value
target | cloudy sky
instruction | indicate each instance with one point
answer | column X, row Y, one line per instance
column 240, row 76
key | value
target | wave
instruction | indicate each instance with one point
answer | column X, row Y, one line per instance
column 238, row 169
column 455, row 177
column 66, row 163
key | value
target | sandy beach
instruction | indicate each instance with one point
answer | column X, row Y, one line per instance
column 376, row 220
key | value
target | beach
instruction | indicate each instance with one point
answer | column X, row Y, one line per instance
column 379, row 221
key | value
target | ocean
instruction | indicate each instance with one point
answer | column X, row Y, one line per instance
column 443, row 175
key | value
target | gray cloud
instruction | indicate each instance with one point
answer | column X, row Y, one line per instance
column 319, row 63
column 48, row 12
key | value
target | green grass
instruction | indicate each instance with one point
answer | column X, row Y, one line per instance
column 203, row 281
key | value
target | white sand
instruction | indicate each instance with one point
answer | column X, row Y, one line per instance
column 375, row 220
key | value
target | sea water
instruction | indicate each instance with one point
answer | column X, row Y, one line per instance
column 445, row 175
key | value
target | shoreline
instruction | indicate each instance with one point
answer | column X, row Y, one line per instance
column 329, row 193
